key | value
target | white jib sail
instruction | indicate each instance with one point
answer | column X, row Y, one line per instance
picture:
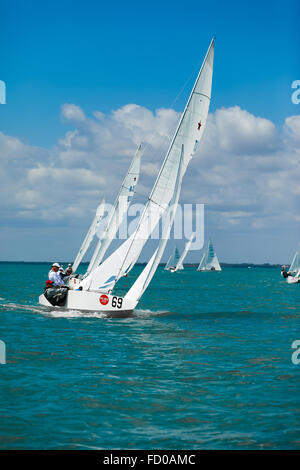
column 89, row 236
column 188, row 133
column 179, row 265
column 295, row 265
column 209, row 261
column 138, row 288
column 173, row 260
column 118, row 210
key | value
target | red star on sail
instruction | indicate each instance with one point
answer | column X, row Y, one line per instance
column 199, row 125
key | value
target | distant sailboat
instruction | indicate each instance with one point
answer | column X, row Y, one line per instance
column 173, row 260
column 295, row 269
column 209, row 261
column 295, row 264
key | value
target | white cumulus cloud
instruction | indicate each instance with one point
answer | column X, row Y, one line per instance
column 246, row 171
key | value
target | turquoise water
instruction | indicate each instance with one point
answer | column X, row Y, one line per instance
column 204, row 363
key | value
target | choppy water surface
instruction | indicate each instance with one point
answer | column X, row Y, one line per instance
column 204, row 363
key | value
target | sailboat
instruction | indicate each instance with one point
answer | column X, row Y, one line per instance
column 295, row 264
column 295, row 268
column 209, row 261
column 173, row 260
column 96, row 290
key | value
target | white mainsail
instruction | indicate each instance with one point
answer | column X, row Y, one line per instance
column 188, row 134
column 118, row 210
column 295, row 265
column 144, row 279
column 173, row 260
column 179, row 265
column 89, row 236
column 209, row 261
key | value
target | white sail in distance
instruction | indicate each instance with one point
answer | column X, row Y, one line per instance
column 118, row 210
column 295, row 265
column 188, row 133
column 89, row 236
column 179, row 265
column 173, row 260
column 209, row 261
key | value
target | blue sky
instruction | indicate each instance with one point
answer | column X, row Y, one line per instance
column 102, row 56
column 105, row 54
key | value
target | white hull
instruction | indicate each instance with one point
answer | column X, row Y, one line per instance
column 94, row 301
column 210, row 270
column 292, row 280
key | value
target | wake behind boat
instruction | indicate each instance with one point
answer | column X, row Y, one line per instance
column 95, row 291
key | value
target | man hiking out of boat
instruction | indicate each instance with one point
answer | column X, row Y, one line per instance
column 55, row 276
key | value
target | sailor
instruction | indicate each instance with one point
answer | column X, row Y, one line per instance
column 61, row 272
column 284, row 273
column 55, row 276
column 69, row 270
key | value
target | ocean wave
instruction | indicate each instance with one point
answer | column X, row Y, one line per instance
column 14, row 306
column 150, row 313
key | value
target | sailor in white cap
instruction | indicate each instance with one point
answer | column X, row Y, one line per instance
column 54, row 275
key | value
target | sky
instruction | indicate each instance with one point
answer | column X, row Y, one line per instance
column 86, row 81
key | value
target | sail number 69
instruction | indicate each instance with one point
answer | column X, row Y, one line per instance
column 117, row 302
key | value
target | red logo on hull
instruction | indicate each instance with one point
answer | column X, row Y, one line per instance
column 104, row 299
